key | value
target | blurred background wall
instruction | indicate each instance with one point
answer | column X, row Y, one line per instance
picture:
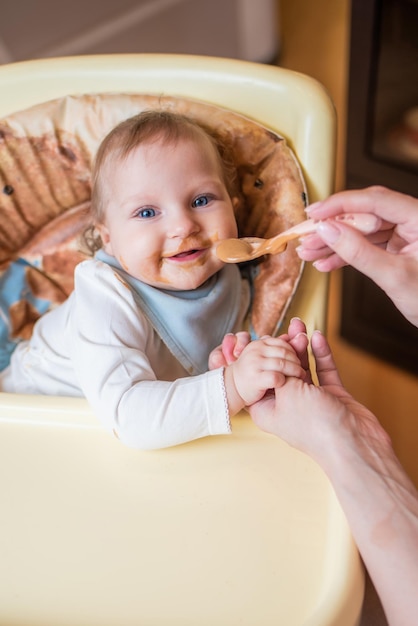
column 243, row 29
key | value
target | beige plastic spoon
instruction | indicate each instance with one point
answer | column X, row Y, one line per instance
column 249, row 248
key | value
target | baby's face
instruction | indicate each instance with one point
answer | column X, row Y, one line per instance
column 167, row 208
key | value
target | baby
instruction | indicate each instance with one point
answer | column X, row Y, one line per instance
column 155, row 302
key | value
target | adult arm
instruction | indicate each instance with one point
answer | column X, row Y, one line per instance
column 378, row 498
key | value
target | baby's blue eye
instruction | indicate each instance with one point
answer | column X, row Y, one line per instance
column 146, row 213
column 200, row 201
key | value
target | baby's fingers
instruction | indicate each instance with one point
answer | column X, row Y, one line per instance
column 216, row 359
column 285, row 351
column 228, row 347
column 279, row 366
column 242, row 339
column 233, row 345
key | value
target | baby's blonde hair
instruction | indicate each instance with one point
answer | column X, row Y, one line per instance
column 145, row 127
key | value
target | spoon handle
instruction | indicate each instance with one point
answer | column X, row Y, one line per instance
column 366, row 223
column 275, row 244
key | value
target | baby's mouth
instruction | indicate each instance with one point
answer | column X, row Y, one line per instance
column 188, row 255
column 189, row 250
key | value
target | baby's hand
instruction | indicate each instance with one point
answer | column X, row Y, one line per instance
column 230, row 349
column 263, row 364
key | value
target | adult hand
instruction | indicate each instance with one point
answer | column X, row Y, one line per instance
column 389, row 257
column 314, row 419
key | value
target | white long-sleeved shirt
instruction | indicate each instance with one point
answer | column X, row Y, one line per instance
column 100, row 345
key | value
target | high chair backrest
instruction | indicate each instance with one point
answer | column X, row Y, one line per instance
column 239, row 529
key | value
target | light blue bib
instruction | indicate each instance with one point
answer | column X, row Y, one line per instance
column 192, row 323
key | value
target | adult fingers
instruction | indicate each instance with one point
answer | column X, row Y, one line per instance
column 326, row 369
column 389, row 205
column 354, row 249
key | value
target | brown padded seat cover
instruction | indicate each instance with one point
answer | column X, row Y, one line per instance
column 46, row 153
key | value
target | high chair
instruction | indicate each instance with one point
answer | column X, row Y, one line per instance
column 240, row 529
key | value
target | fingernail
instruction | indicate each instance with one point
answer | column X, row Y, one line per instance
column 313, row 206
column 318, row 265
column 328, row 231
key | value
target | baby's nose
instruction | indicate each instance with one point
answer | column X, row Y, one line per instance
column 183, row 224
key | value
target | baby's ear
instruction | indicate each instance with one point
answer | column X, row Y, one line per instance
column 235, row 202
column 105, row 237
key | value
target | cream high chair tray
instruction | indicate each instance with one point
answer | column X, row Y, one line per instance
column 225, row 530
